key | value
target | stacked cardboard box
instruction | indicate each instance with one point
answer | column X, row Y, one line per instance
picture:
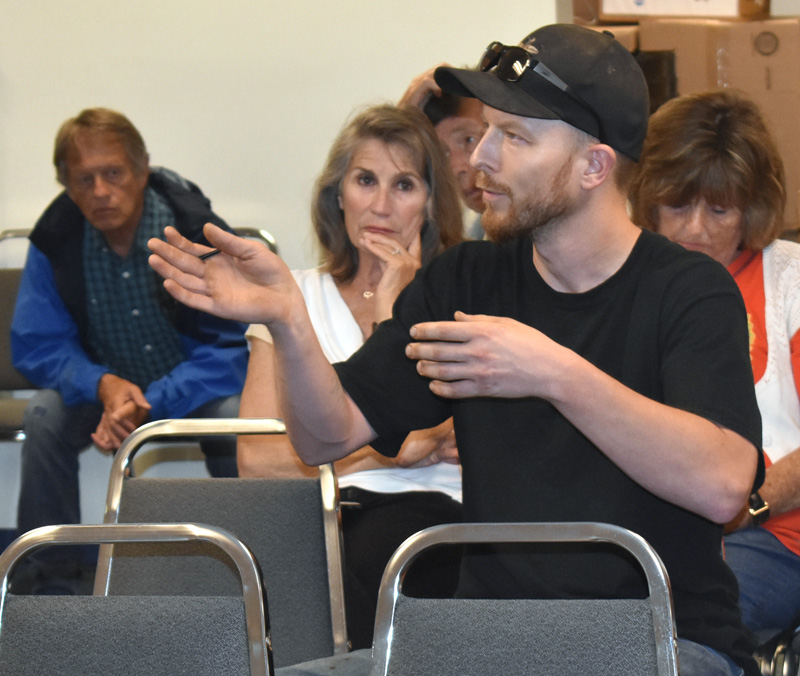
column 637, row 10
column 589, row 12
column 749, row 45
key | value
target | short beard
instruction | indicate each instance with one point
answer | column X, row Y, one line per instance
column 533, row 214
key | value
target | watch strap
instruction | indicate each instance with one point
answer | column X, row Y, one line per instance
column 758, row 508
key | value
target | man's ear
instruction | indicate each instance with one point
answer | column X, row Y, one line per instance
column 601, row 160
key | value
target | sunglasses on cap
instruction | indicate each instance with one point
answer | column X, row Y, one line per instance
column 509, row 64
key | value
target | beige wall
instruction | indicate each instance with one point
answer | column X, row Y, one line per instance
column 241, row 96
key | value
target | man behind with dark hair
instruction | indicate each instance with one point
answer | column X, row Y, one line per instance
column 95, row 330
column 459, row 127
column 594, row 372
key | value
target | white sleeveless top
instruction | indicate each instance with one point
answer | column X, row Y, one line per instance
column 339, row 336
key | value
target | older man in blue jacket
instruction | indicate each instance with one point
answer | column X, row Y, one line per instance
column 95, row 330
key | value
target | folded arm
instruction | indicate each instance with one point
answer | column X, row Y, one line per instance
column 781, row 490
column 781, row 487
column 679, row 456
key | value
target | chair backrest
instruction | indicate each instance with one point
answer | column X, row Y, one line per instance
column 10, row 378
column 135, row 635
column 451, row 637
column 11, row 409
column 14, row 247
column 14, row 233
column 291, row 525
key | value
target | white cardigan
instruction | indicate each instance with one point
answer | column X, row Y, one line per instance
column 776, row 391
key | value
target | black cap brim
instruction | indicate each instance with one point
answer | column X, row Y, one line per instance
column 491, row 90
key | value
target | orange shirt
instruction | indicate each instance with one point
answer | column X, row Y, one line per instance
column 748, row 271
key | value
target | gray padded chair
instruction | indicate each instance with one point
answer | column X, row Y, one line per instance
column 291, row 525
column 12, row 408
column 14, row 247
column 516, row 637
column 135, row 635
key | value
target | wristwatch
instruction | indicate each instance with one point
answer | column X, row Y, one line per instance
column 758, row 508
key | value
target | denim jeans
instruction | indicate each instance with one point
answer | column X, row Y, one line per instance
column 55, row 436
column 769, row 580
column 695, row 659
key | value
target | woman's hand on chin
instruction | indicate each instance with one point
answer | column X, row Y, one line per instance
column 398, row 265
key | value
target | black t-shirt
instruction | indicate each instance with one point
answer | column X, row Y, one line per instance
column 670, row 325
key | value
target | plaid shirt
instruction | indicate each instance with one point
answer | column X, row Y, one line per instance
column 128, row 330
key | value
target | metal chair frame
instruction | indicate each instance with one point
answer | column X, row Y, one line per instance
column 455, row 534
column 165, row 429
column 253, row 592
column 780, row 655
column 11, row 233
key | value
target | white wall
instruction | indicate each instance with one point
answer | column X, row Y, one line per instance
column 242, row 96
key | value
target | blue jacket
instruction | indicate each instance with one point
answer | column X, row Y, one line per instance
column 48, row 333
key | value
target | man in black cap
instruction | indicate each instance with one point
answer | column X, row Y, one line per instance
column 594, row 372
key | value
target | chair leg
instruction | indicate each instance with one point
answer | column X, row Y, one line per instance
column 765, row 658
column 792, row 665
column 785, row 659
column 779, row 659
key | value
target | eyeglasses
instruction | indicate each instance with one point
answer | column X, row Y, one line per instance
column 510, row 63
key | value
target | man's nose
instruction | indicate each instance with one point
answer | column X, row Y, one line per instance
column 485, row 157
column 100, row 188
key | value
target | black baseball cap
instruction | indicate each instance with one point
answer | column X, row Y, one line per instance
column 583, row 77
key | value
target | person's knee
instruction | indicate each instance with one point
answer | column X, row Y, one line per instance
column 51, row 427
column 45, row 412
column 220, row 451
column 700, row 660
column 225, row 407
